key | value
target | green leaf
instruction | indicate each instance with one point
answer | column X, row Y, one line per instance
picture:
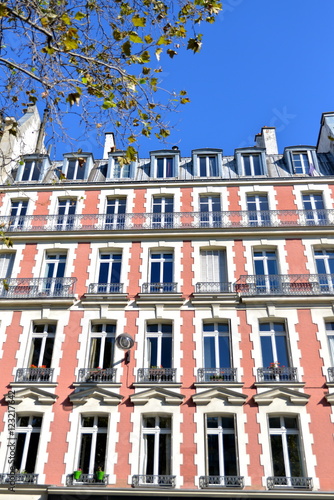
column 184, row 100
column 79, row 15
column 163, row 41
column 171, row 53
column 135, row 38
column 73, row 98
column 138, row 21
column 148, row 39
column 195, row 44
column 108, row 104
column 66, row 19
column 126, row 48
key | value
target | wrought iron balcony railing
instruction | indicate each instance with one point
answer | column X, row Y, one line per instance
column 38, row 374
column 153, row 480
column 285, row 284
column 30, row 288
column 159, row 288
column 97, row 375
column 331, row 374
column 216, row 375
column 304, row 483
column 86, row 479
column 213, row 287
column 277, row 374
column 18, row 478
column 221, row 481
column 105, row 288
column 156, row 375
column 135, row 221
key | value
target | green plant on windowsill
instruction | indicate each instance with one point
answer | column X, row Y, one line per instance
column 100, row 474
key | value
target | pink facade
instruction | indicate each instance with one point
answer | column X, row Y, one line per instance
column 219, row 272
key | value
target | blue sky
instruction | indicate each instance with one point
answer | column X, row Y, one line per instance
column 264, row 62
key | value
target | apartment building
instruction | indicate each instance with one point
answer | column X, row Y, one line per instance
column 167, row 327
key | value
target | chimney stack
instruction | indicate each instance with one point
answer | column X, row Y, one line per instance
column 109, row 144
column 267, row 139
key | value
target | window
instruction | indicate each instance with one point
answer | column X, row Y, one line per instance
column 66, row 211
column 42, row 343
column 161, row 272
column 217, row 353
column 162, row 212
column 6, row 264
column 118, row 171
column 286, row 453
column 330, row 337
column 159, row 345
column 208, row 166
column 221, row 455
column 301, row 164
column 157, row 449
column 110, row 272
column 251, row 164
column 213, row 271
column 102, row 346
column 55, row 270
column 17, row 214
column 258, row 210
column 93, row 444
column 266, row 270
column 28, row 429
column 115, row 217
column 275, row 353
column 75, row 168
column 210, row 211
column 31, row 170
column 165, row 167
column 324, row 260
column 314, row 209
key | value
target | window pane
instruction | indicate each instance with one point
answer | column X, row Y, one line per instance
column 102, row 422
column 32, row 452
column 149, row 422
column 149, row 438
column 108, row 357
column 47, row 357
column 282, row 350
column 153, row 351
column 165, row 422
column 213, row 455
column 87, row 421
column 224, row 352
column 85, row 451
column 267, row 351
column 277, row 455
column 19, row 450
column 230, row 458
column 209, row 352
column 166, row 352
column 100, row 452
column 294, row 455
column 212, row 422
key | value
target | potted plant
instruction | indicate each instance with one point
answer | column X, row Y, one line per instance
column 77, row 474
column 99, row 474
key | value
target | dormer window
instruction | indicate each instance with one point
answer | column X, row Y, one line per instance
column 302, row 161
column 251, row 162
column 32, row 168
column 77, row 167
column 207, row 162
column 164, row 164
column 118, row 171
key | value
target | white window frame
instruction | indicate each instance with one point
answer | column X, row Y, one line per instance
column 103, row 335
column 311, row 215
column 44, row 335
column 330, row 339
column 116, row 171
column 216, row 334
column 158, row 335
column 162, row 218
column 220, row 431
column 94, row 430
column 174, row 155
column 156, row 431
column 259, row 218
column 38, row 163
column 284, row 432
column 66, row 220
column 78, row 158
column 28, row 430
column 6, row 264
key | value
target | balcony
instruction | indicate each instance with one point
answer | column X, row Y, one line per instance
column 285, row 284
column 217, row 375
column 221, row 481
column 97, row 375
column 277, row 374
column 156, row 375
column 159, row 288
column 87, row 479
column 331, row 374
column 19, row 478
column 176, row 220
column 278, row 482
column 153, row 480
column 37, row 374
column 214, row 287
column 32, row 288
column 105, row 288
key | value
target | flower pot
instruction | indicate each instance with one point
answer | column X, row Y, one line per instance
column 77, row 474
column 100, row 475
